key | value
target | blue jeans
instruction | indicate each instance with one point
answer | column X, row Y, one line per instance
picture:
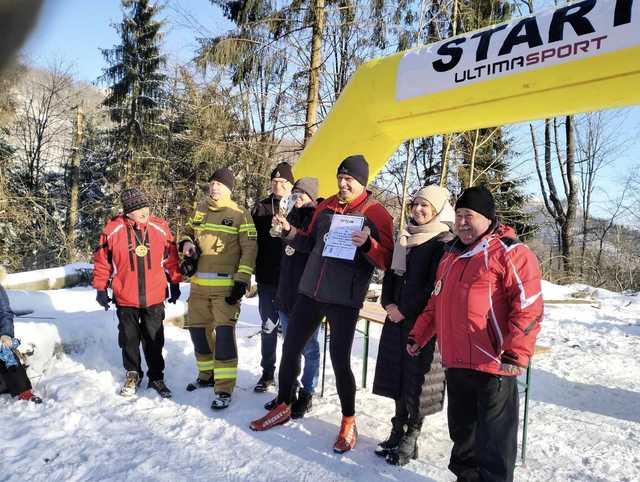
column 311, row 353
column 269, row 317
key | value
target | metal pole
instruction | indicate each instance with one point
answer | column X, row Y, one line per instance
column 365, row 363
column 324, row 355
column 525, row 426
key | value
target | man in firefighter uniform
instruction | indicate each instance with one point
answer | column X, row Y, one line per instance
column 222, row 237
column 137, row 255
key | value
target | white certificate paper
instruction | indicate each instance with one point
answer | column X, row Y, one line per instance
column 338, row 242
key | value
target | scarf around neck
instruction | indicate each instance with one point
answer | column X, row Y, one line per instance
column 412, row 236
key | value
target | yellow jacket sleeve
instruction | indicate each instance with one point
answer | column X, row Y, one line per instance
column 189, row 232
column 247, row 238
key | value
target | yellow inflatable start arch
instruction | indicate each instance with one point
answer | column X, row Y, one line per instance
column 580, row 57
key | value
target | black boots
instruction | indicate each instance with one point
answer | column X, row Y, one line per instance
column 406, row 450
column 302, row 405
column 264, row 383
column 160, row 387
column 397, row 432
column 199, row 383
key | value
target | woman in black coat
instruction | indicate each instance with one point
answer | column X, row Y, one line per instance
column 415, row 383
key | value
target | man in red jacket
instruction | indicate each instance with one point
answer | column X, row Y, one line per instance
column 486, row 309
column 137, row 255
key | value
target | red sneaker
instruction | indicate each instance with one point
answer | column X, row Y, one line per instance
column 348, row 435
column 279, row 415
column 29, row 397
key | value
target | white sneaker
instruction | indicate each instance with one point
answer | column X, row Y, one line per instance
column 131, row 384
column 221, row 401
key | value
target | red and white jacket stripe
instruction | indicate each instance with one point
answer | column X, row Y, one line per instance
column 136, row 281
column 486, row 306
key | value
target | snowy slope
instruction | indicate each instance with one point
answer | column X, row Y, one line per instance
column 585, row 408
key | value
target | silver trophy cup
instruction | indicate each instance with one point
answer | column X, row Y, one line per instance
column 286, row 205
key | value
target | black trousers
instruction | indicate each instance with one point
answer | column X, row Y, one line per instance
column 13, row 379
column 142, row 326
column 483, row 425
column 304, row 320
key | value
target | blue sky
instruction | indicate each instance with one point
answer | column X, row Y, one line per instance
column 74, row 31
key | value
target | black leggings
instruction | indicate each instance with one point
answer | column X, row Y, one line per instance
column 305, row 318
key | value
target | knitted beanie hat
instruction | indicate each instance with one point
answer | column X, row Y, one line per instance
column 224, row 176
column 283, row 171
column 308, row 185
column 478, row 199
column 357, row 167
column 133, row 199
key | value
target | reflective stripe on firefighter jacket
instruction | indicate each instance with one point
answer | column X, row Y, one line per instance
column 226, row 237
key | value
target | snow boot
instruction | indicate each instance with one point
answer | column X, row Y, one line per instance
column 221, row 401
column 279, row 415
column 29, row 397
column 407, row 449
column 348, row 435
column 274, row 403
column 200, row 384
column 397, row 432
column 160, row 387
column 302, row 405
column 263, row 384
column 131, row 384
column 270, row 405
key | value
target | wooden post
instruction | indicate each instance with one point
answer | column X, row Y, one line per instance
column 313, row 92
column 74, row 180
column 403, row 207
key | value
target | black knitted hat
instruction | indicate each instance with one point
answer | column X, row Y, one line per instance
column 133, row 199
column 478, row 199
column 224, row 176
column 357, row 167
column 283, row 171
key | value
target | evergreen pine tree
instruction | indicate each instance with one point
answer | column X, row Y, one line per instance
column 136, row 88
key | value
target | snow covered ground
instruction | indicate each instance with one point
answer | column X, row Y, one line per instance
column 584, row 418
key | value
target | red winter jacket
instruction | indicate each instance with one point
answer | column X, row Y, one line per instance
column 136, row 281
column 486, row 306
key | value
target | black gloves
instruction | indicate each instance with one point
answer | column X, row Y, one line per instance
column 102, row 297
column 237, row 292
column 189, row 265
column 174, row 288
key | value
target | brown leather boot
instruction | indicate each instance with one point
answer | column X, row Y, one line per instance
column 348, row 435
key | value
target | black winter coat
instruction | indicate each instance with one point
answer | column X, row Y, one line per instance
column 6, row 315
column 270, row 249
column 418, row 380
column 293, row 261
column 340, row 281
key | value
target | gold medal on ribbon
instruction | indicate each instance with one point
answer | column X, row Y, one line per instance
column 141, row 250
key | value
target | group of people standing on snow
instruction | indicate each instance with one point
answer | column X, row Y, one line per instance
column 462, row 296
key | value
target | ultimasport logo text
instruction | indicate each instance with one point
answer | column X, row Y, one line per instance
column 560, row 35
